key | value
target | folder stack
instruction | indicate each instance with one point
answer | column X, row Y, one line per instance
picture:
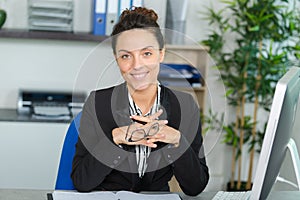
column 180, row 75
column 106, row 13
column 50, row 15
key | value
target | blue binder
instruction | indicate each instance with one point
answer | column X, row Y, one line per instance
column 99, row 18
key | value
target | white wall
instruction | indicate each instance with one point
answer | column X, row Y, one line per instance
column 38, row 64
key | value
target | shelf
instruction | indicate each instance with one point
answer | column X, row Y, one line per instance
column 187, row 47
column 11, row 115
column 50, row 35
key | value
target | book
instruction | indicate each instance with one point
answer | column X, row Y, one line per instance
column 107, row 195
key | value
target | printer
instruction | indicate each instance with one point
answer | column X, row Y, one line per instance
column 56, row 105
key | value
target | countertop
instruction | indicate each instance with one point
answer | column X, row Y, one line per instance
column 11, row 115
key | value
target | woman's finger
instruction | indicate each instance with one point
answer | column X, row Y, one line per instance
column 140, row 119
column 147, row 119
column 156, row 115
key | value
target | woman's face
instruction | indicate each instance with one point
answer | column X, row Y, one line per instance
column 138, row 57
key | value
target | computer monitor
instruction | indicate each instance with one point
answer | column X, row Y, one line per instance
column 278, row 134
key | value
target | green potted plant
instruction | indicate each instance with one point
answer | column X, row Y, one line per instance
column 264, row 36
column 2, row 16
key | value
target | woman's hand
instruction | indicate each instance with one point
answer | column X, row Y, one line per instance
column 165, row 134
column 121, row 135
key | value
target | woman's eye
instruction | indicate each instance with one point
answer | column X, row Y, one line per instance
column 125, row 56
column 148, row 53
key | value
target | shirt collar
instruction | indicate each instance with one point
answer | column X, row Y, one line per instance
column 135, row 110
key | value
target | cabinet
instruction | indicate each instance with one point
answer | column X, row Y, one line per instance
column 30, row 153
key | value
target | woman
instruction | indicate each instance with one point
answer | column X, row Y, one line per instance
column 135, row 136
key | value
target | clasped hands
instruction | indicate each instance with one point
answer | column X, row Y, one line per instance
column 153, row 131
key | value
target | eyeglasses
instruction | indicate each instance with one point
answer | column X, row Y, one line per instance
column 135, row 134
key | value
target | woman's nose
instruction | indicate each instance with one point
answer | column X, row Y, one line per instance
column 137, row 62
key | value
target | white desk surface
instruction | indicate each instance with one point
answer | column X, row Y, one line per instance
column 20, row 194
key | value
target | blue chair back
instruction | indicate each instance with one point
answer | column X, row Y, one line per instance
column 64, row 181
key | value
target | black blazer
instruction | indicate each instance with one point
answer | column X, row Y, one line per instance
column 99, row 164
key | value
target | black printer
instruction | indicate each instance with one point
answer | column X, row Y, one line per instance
column 50, row 104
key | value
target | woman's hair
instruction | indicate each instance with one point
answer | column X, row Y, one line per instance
column 137, row 17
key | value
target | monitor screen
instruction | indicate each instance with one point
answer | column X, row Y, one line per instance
column 278, row 133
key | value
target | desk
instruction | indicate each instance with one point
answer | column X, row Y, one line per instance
column 19, row 194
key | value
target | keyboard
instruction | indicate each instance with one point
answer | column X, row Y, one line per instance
column 232, row 195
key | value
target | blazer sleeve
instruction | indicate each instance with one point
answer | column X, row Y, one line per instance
column 188, row 160
column 95, row 156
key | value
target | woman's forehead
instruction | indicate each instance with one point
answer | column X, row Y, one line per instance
column 136, row 39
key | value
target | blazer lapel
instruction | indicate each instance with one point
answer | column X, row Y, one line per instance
column 119, row 105
column 120, row 112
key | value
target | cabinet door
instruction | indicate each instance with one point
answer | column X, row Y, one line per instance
column 30, row 154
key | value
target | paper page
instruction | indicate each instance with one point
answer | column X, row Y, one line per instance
column 125, row 195
column 121, row 195
column 73, row 195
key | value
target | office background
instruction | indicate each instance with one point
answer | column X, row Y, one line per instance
column 53, row 64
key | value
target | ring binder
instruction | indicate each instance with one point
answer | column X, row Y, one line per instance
column 99, row 19
column 111, row 15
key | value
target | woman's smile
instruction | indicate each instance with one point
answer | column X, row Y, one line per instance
column 139, row 76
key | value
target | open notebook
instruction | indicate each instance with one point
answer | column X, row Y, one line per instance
column 72, row 195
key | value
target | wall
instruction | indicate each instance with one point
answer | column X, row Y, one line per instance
column 38, row 64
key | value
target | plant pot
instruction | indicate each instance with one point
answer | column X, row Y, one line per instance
column 2, row 17
column 234, row 189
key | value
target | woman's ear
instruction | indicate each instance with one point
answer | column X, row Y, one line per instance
column 162, row 54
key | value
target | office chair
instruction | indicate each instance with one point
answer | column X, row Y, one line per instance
column 64, row 181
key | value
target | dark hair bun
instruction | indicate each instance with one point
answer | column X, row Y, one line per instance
column 149, row 13
column 137, row 18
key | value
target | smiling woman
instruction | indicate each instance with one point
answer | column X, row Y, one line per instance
column 109, row 155
column 139, row 60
